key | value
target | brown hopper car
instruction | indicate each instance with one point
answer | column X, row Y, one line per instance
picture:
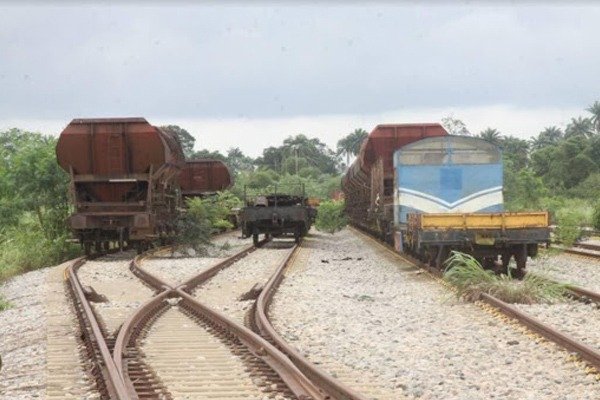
column 200, row 178
column 124, row 180
column 369, row 183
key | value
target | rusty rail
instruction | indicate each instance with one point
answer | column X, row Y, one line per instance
column 582, row 292
column 130, row 329
column 587, row 353
column 334, row 388
column 300, row 385
column 111, row 376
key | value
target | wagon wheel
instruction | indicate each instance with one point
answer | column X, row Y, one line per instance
column 505, row 260
column 521, row 260
column 441, row 257
column 87, row 248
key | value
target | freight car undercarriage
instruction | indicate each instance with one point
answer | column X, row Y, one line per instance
column 492, row 248
column 138, row 230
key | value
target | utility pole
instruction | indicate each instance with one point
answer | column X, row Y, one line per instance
column 296, row 152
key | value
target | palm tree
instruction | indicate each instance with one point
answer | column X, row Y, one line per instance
column 595, row 110
column 491, row 135
column 579, row 127
column 351, row 143
column 549, row 136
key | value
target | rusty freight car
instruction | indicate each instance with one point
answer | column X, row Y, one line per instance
column 124, row 180
column 369, row 183
column 201, row 178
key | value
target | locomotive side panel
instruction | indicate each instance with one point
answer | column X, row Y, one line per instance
column 448, row 196
column 449, row 174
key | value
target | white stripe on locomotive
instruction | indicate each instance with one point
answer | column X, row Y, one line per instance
column 431, row 204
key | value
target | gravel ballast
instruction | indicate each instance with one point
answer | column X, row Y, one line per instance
column 377, row 322
column 23, row 337
column 581, row 271
column 222, row 292
column 183, row 265
column 578, row 320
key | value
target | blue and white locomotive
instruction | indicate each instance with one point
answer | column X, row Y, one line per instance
column 447, row 174
column 448, row 196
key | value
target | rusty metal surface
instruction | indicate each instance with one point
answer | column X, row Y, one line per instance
column 115, row 146
column 201, row 177
column 581, row 251
column 128, row 332
column 302, row 387
column 111, row 376
column 334, row 389
column 368, row 183
column 587, row 353
column 586, row 293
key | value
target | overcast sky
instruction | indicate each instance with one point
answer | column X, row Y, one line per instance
column 250, row 76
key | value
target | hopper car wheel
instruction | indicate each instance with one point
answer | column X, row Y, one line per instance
column 106, row 246
column 98, row 247
column 255, row 239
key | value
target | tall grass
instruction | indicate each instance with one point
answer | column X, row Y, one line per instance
column 4, row 304
column 24, row 247
column 471, row 280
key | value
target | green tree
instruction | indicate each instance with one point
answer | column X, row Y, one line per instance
column 516, row 150
column 579, row 127
column 185, row 138
column 330, row 217
column 238, row 161
column 208, row 154
column 550, row 136
column 351, row 143
column 491, row 135
column 455, row 126
column 315, row 152
column 594, row 109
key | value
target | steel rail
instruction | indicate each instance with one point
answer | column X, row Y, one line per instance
column 202, row 277
column 298, row 383
column 588, row 246
column 580, row 252
column 130, row 329
column 334, row 388
column 585, row 352
column 112, row 378
column 582, row 292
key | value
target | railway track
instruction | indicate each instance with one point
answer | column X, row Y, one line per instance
column 583, row 249
column 587, row 353
column 174, row 346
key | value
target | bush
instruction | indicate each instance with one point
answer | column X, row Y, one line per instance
column 330, row 216
column 569, row 225
column 596, row 217
column 17, row 243
column 471, row 280
column 193, row 229
column 216, row 209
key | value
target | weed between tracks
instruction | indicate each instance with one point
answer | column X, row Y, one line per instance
column 471, row 280
column 4, row 304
